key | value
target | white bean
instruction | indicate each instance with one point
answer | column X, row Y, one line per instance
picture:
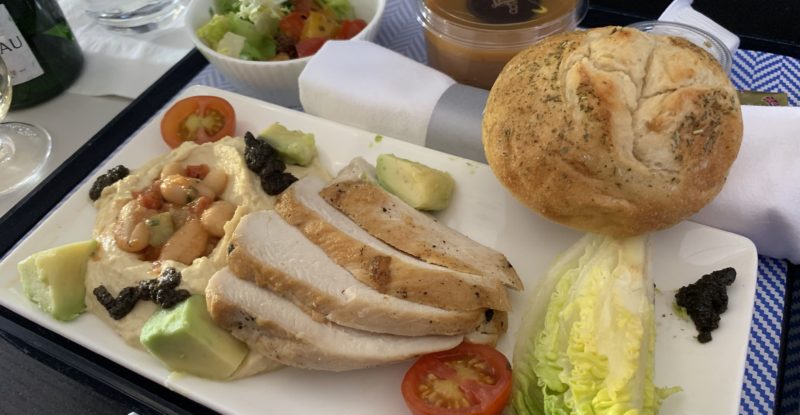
column 216, row 216
column 216, row 180
column 181, row 190
column 175, row 189
column 130, row 232
column 201, row 189
column 170, row 169
column 186, row 244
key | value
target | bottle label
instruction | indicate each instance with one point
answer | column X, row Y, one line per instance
column 18, row 56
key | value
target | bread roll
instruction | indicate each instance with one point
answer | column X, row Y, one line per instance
column 612, row 130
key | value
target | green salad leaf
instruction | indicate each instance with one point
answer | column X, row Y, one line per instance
column 248, row 29
column 231, row 35
column 213, row 31
column 264, row 14
column 587, row 342
column 226, row 6
column 342, row 8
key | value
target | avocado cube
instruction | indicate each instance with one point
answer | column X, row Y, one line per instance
column 55, row 279
column 420, row 186
column 294, row 147
column 186, row 340
column 161, row 228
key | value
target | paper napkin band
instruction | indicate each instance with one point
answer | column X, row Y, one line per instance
column 367, row 86
column 455, row 125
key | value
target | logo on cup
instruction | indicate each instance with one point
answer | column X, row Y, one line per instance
column 513, row 5
column 505, row 11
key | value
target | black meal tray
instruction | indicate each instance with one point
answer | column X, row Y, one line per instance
column 765, row 26
column 42, row 372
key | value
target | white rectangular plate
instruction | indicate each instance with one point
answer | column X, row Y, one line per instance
column 710, row 374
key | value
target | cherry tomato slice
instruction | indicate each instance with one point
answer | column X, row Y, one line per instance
column 310, row 46
column 350, row 28
column 470, row 379
column 201, row 119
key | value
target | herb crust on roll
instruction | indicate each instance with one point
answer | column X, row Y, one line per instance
column 612, row 130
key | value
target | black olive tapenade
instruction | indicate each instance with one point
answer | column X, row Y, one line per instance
column 161, row 290
column 112, row 176
column 275, row 183
column 256, row 152
column 705, row 300
column 262, row 159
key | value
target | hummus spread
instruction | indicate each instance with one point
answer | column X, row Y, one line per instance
column 117, row 269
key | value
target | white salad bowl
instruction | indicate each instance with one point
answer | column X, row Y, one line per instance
column 276, row 81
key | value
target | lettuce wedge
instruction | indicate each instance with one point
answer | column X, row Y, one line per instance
column 587, row 341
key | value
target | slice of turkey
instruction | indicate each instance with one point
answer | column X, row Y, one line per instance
column 275, row 255
column 276, row 328
column 378, row 264
column 357, row 194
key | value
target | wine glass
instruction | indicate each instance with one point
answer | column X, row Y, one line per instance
column 24, row 148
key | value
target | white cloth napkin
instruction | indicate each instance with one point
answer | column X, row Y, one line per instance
column 373, row 88
column 367, row 86
column 761, row 199
column 122, row 64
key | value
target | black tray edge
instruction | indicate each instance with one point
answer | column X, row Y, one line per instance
column 604, row 16
column 104, row 376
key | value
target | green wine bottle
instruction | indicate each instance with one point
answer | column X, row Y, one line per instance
column 39, row 49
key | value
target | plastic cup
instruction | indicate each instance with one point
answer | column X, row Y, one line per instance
column 472, row 40
column 699, row 37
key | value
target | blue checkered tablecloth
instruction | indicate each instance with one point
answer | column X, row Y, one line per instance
column 752, row 70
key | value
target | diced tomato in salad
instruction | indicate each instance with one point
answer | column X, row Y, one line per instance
column 303, row 6
column 253, row 30
column 292, row 25
column 310, row 46
column 350, row 28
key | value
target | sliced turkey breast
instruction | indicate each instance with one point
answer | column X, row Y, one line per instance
column 276, row 328
column 377, row 264
column 277, row 256
column 357, row 194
